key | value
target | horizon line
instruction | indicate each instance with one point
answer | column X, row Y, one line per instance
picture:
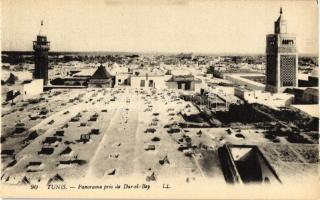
column 156, row 52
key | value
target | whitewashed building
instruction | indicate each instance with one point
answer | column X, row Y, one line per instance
column 32, row 88
column 273, row 100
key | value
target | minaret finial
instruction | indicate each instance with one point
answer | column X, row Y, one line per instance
column 280, row 10
column 41, row 27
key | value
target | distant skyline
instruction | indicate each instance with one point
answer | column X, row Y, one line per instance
column 173, row 26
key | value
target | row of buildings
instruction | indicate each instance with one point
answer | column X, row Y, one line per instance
column 101, row 77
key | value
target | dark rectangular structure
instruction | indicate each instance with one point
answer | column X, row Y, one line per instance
column 41, row 48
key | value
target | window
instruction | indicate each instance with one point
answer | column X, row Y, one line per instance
column 150, row 83
column 188, row 86
column 287, row 83
column 119, row 80
column 287, row 42
column 142, row 83
column 179, row 85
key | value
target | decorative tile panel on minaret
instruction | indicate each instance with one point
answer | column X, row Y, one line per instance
column 41, row 48
column 282, row 58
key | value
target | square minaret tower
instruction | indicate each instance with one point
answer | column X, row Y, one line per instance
column 282, row 58
column 41, row 47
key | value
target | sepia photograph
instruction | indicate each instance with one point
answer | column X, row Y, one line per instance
column 164, row 99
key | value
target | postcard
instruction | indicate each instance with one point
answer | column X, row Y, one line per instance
column 165, row 99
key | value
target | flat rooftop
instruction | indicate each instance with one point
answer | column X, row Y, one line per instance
column 119, row 132
column 245, row 78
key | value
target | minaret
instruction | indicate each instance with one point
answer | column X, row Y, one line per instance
column 41, row 48
column 282, row 58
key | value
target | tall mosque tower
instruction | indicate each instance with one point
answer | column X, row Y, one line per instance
column 41, row 47
column 282, row 58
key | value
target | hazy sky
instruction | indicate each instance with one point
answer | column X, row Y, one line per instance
column 155, row 26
